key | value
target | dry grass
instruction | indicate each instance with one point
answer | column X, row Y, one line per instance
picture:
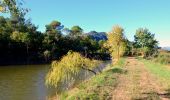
column 139, row 84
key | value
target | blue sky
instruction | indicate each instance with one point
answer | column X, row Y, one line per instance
column 101, row 15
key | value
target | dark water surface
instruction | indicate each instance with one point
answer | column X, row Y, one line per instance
column 27, row 82
column 24, row 83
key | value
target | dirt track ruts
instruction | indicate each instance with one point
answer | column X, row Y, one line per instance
column 138, row 83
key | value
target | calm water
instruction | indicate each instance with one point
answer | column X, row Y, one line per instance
column 24, row 83
column 28, row 82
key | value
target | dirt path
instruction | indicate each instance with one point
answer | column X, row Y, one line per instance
column 138, row 84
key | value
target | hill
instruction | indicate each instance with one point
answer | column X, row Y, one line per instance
column 166, row 48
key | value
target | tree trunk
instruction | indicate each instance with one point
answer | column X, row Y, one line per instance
column 27, row 53
column 89, row 70
column 118, row 54
column 27, row 49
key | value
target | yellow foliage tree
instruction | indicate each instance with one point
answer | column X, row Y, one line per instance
column 70, row 65
column 116, row 43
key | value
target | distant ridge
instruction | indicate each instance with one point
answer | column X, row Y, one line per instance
column 97, row 35
column 166, row 48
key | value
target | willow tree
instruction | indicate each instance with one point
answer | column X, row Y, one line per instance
column 70, row 65
column 116, row 43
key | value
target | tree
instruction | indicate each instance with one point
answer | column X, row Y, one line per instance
column 5, row 29
column 47, row 55
column 12, row 6
column 76, row 30
column 52, row 32
column 18, row 35
column 129, row 48
column 21, row 37
column 145, row 42
column 6, row 5
column 116, row 42
column 17, row 12
column 53, row 38
column 69, row 66
column 54, row 24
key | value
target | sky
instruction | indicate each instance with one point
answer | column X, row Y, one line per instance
column 102, row 15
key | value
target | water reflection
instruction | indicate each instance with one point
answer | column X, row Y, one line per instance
column 24, row 83
column 28, row 82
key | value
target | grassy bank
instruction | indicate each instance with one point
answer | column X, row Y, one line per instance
column 163, row 57
column 161, row 71
column 99, row 87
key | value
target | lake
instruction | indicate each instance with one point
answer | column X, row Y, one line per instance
column 27, row 82
column 24, row 83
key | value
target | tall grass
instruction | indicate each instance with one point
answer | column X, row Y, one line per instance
column 163, row 58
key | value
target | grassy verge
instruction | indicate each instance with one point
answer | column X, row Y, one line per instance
column 98, row 87
column 163, row 57
column 161, row 71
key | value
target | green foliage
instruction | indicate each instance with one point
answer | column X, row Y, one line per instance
column 20, row 37
column 51, row 30
column 14, row 7
column 116, row 42
column 54, row 24
column 76, row 30
column 16, row 31
column 145, row 42
column 17, row 37
column 10, row 5
column 67, row 67
column 129, row 49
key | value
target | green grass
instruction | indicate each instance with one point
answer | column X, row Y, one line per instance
column 163, row 57
column 98, row 87
column 121, row 62
column 161, row 72
column 158, row 69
